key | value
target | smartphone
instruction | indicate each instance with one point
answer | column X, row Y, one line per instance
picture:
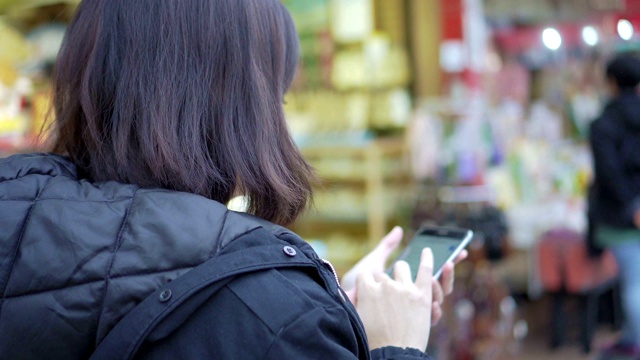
column 445, row 243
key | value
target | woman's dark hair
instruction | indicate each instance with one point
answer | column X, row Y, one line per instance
column 624, row 69
column 185, row 95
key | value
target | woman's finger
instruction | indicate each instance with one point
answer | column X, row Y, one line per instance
column 447, row 278
column 461, row 256
column 366, row 283
column 379, row 277
column 436, row 313
column 425, row 271
column 438, row 294
column 389, row 243
column 375, row 260
column 402, row 272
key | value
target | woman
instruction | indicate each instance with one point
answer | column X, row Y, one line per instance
column 164, row 110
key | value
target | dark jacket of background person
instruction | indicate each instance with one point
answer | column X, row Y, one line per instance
column 79, row 255
column 615, row 143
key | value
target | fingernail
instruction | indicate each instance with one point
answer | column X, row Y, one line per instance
column 428, row 253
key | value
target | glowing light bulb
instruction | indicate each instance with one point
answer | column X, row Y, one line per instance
column 551, row 38
column 625, row 29
column 590, row 36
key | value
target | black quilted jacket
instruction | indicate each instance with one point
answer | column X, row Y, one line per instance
column 77, row 256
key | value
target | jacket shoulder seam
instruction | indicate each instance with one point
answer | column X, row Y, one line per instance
column 19, row 242
column 69, row 286
column 114, row 252
column 219, row 244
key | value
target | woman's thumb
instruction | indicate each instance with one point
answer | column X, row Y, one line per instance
column 390, row 242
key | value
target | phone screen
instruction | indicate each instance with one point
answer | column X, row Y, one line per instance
column 445, row 243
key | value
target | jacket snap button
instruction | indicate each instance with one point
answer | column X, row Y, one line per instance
column 165, row 295
column 289, row 251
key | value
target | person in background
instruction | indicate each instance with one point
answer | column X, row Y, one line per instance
column 164, row 111
column 614, row 198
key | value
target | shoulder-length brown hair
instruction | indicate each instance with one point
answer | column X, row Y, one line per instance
column 185, row 95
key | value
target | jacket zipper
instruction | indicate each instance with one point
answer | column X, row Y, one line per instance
column 353, row 316
column 333, row 270
column 335, row 276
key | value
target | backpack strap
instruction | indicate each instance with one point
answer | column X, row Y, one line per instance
column 124, row 340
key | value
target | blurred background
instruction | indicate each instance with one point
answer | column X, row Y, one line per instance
column 470, row 113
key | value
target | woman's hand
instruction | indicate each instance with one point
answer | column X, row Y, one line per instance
column 397, row 312
column 374, row 263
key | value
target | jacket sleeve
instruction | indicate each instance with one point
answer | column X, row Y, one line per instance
column 326, row 333
column 396, row 353
column 608, row 166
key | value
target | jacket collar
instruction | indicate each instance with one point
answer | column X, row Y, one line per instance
column 20, row 165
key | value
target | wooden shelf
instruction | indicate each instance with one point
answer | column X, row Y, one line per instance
column 367, row 178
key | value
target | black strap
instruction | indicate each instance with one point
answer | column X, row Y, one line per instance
column 124, row 340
